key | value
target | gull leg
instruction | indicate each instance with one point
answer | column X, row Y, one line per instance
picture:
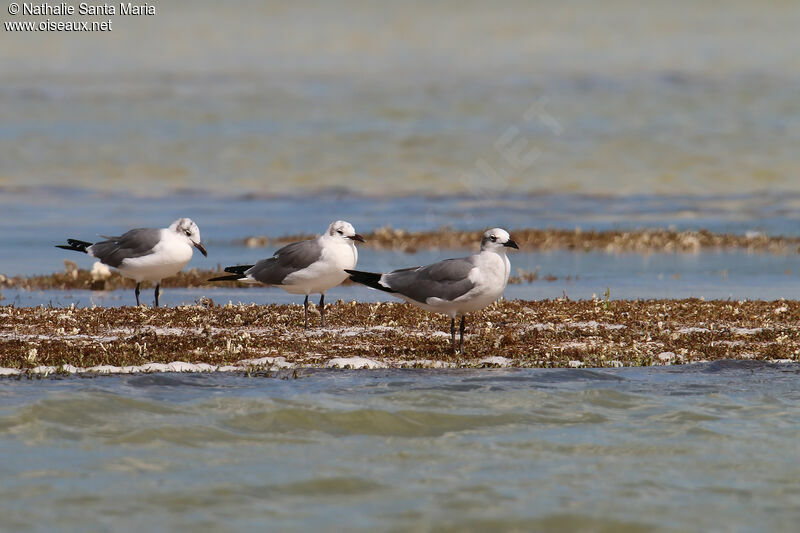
column 136, row 292
column 305, row 307
column 453, row 334
column 158, row 287
column 461, row 340
column 322, row 307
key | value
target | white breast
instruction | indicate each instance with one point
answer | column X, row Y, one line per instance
column 490, row 278
column 325, row 273
column 169, row 257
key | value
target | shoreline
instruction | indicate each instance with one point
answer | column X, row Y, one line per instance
column 526, row 334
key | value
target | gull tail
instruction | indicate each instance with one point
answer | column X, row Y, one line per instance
column 75, row 245
column 370, row 279
column 236, row 271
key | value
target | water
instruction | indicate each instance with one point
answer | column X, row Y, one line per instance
column 35, row 223
column 714, row 275
column 418, row 115
column 618, row 450
column 406, row 97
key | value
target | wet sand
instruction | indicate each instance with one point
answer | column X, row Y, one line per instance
column 553, row 333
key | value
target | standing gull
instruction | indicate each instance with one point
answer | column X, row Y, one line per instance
column 145, row 254
column 306, row 267
column 453, row 286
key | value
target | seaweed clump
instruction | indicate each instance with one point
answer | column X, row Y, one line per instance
column 550, row 333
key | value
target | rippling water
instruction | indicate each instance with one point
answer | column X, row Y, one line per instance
column 696, row 448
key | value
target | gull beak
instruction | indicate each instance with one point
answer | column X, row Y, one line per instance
column 200, row 247
column 511, row 244
column 357, row 237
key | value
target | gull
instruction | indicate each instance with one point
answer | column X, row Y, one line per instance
column 454, row 286
column 145, row 254
column 306, row 267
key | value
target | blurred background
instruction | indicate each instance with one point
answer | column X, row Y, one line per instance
column 267, row 118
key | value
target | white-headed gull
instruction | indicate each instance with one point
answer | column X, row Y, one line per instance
column 454, row 286
column 146, row 254
column 306, row 267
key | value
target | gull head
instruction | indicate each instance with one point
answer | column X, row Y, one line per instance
column 344, row 230
column 497, row 240
column 186, row 228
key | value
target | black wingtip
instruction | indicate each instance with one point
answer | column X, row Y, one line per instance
column 370, row 279
column 233, row 277
column 236, row 271
column 75, row 245
column 241, row 269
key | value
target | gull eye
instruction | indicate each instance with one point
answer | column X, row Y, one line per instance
column 187, row 232
column 340, row 232
column 493, row 238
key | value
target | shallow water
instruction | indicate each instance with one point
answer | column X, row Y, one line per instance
column 736, row 275
column 38, row 221
column 696, row 448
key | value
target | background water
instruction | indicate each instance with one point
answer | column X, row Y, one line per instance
column 387, row 97
column 697, row 448
column 718, row 275
column 33, row 225
column 281, row 118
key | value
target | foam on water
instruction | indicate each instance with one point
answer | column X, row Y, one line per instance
column 245, row 365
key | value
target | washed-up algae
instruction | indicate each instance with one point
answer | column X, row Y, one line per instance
column 552, row 333
column 532, row 239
